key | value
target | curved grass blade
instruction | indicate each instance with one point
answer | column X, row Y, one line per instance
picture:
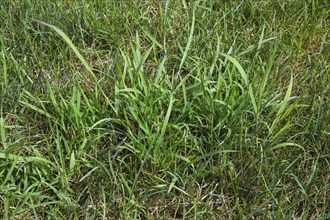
column 191, row 35
column 282, row 145
column 282, row 107
column 245, row 79
column 25, row 159
column 69, row 42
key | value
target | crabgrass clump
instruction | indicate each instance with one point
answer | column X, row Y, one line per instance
column 156, row 110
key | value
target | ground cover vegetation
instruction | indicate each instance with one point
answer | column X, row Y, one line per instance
column 164, row 109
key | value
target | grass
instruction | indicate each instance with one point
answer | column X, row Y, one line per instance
column 165, row 110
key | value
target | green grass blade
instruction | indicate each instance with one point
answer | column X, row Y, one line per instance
column 299, row 184
column 4, row 66
column 239, row 68
column 282, row 145
column 3, row 132
column 52, row 98
column 25, row 159
column 160, row 70
column 284, row 104
column 37, row 109
column 266, row 76
column 11, row 169
column 69, row 42
column 88, row 173
column 164, row 125
column 72, row 161
column 190, row 39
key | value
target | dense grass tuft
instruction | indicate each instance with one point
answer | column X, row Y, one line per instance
column 164, row 109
